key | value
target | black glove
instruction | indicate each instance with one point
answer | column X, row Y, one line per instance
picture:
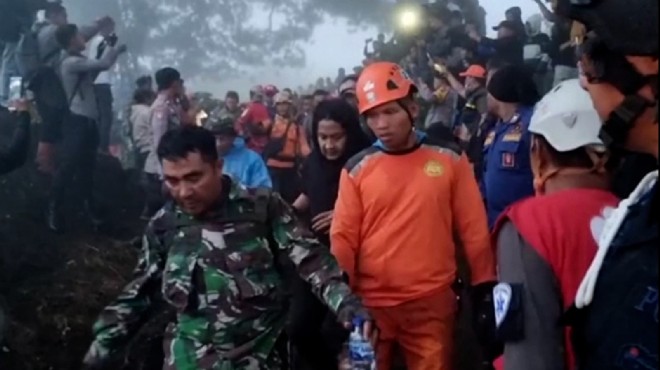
column 481, row 296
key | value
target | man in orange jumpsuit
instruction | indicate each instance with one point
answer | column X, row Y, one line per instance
column 400, row 204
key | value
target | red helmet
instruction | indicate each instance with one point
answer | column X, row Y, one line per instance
column 270, row 90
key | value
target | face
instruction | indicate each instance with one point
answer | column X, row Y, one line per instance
column 318, row 99
column 307, row 105
column 350, row 98
column 391, row 124
column 332, row 139
column 178, row 89
column 231, row 103
column 283, row 109
column 471, row 84
column 492, row 104
column 270, row 100
column 606, row 98
column 224, row 143
column 78, row 42
column 193, row 183
column 60, row 18
column 504, row 32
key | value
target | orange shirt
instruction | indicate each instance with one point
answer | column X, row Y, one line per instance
column 294, row 144
column 395, row 219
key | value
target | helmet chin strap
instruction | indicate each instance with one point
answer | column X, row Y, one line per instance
column 617, row 127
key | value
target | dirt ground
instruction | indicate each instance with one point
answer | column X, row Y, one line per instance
column 53, row 286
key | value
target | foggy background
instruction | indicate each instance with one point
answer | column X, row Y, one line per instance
column 321, row 45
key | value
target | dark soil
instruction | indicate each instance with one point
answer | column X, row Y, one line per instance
column 53, row 286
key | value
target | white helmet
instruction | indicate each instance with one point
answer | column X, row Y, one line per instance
column 567, row 119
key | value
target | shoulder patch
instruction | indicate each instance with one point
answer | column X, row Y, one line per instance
column 357, row 161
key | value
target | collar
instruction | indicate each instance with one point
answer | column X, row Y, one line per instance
column 419, row 138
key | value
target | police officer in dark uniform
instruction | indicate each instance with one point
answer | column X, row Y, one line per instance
column 617, row 324
column 507, row 175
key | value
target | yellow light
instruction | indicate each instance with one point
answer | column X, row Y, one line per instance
column 409, row 19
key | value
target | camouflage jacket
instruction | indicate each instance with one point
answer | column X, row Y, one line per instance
column 220, row 275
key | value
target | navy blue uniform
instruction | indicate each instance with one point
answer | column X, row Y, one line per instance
column 619, row 329
column 507, row 174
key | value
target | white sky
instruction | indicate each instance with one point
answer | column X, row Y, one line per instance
column 333, row 47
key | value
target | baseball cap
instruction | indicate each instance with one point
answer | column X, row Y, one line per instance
column 475, row 71
column 506, row 24
column 567, row 119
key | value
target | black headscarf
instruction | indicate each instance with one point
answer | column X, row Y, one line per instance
column 320, row 175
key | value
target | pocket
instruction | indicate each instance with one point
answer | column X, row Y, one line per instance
column 177, row 280
column 253, row 273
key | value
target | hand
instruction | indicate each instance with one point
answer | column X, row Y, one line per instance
column 20, row 105
column 106, row 23
column 321, row 222
column 350, row 308
column 122, row 48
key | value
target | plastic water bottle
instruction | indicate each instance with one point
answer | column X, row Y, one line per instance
column 360, row 351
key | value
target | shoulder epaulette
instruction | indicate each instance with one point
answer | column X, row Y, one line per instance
column 443, row 146
column 358, row 160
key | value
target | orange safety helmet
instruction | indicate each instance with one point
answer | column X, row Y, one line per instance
column 381, row 83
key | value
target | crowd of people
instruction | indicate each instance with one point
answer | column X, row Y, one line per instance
column 273, row 223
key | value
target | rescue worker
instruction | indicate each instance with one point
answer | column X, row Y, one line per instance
column 545, row 244
column 617, row 326
column 166, row 115
column 399, row 203
column 286, row 149
column 242, row 164
column 254, row 124
column 507, row 174
column 209, row 257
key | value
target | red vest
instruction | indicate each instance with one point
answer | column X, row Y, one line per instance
column 562, row 227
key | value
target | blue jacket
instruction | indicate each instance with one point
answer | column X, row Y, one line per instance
column 507, row 174
column 246, row 166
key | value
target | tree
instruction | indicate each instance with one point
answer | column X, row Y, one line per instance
column 222, row 37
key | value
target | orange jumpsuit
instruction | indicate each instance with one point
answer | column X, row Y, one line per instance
column 393, row 234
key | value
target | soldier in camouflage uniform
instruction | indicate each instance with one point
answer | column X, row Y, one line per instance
column 214, row 257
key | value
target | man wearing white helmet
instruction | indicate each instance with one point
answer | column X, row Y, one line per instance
column 546, row 243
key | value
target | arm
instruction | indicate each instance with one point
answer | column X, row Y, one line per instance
column 313, row 262
column 16, row 155
column 542, row 346
column 82, row 65
column 425, row 92
column 120, row 320
column 90, row 30
column 456, row 85
column 258, row 176
column 547, row 14
column 304, row 148
column 471, row 223
column 159, row 120
column 346, row 224
column 301, row 204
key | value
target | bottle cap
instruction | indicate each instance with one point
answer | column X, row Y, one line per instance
column 358, row 322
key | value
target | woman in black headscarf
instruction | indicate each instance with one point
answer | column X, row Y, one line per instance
column 337, row 136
